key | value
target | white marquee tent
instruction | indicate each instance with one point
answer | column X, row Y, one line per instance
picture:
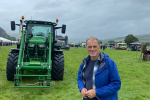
column 4, row 40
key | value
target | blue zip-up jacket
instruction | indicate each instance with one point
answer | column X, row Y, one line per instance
column 106, row 79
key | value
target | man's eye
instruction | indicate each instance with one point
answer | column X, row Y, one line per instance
column 89, row 47
column 94, row 46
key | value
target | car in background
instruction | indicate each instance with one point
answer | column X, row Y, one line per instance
column 121, row 46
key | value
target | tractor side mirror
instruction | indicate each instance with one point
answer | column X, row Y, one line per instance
column 63, row 29
column 13, row 25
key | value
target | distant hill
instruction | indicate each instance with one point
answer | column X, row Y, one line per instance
column 145, row 37
column 5, row 35
column 115, row 39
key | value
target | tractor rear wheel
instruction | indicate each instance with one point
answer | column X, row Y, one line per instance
column 12, row 61
column 57, row 71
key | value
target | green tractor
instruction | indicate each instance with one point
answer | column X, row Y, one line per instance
column 37, row 54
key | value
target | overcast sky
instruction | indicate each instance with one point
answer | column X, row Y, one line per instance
column 83, row 18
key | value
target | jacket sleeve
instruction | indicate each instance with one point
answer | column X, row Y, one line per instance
column 114, row 84
column 79, row 79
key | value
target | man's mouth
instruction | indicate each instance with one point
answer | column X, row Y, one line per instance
column 92, row 51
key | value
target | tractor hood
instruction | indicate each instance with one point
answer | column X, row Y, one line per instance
column 37, row 40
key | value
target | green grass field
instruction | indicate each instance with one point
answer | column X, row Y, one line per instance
column 135, row 77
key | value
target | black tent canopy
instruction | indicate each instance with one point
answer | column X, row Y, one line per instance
column 135, row 46
column 135, row 43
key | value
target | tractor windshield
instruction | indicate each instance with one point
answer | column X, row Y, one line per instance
column 39, row 29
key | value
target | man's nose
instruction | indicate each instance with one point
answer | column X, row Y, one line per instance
column 92, row 48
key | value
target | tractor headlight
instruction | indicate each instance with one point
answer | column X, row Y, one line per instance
column 31, row 45
column 41, row 45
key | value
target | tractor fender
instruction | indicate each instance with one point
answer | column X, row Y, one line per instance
column 58, row 51
column 15, row 50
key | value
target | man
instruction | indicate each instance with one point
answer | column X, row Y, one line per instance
column 98, row 77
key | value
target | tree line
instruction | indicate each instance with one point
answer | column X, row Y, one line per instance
column 130, row 38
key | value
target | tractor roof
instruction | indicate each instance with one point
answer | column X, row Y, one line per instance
column 39, row 22
column 59, row 37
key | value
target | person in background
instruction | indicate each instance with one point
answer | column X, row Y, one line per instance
column 77, row 46
column 104, row 47
column 112, row 47
column 101, row 47
column 146, row 47
column 0, row 44
column 98, row 77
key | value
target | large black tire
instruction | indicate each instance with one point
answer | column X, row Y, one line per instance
column 12, row 61
column 57, row 71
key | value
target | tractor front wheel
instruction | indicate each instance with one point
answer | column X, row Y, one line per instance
column 12, row 61
column 57, row 71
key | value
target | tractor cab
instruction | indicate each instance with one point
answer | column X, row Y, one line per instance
column 37, row 33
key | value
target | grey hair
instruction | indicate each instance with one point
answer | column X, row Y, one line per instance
column 93, row 38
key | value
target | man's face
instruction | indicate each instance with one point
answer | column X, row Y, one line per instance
column 93, row 48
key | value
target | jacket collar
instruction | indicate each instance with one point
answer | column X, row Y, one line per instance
column 100, row 58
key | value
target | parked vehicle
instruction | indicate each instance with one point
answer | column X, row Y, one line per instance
column 121, row 46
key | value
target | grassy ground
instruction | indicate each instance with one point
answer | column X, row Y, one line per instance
column 135, row 78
